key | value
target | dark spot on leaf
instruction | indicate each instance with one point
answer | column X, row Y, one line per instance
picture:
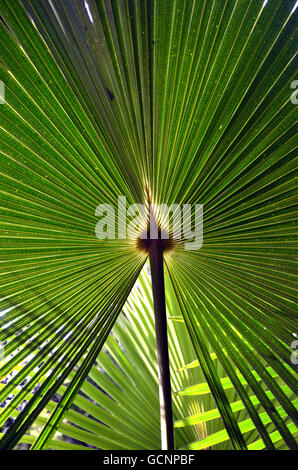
column 110, row 94
column 272, row 357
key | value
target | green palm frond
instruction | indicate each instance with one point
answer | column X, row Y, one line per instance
column 117, row 407
column 188, row 102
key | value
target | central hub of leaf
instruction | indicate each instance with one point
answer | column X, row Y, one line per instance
column 164, row 244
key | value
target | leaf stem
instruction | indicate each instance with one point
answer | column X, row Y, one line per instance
column 165, row 399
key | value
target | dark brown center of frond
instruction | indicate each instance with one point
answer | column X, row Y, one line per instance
column 144, row 242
